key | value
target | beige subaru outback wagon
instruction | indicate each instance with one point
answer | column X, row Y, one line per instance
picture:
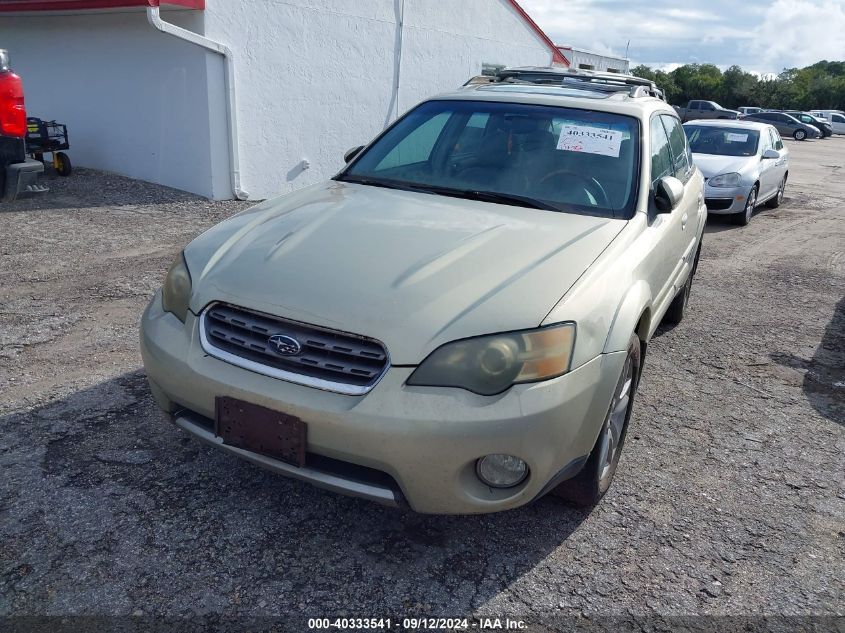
column 458, row 320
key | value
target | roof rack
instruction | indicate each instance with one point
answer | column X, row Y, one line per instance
column 578, row 79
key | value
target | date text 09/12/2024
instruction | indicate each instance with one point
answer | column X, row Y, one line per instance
column 418, row 624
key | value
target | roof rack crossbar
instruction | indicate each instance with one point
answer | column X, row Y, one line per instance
column 602, row 81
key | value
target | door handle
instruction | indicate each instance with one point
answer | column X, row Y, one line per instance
column 684, row 219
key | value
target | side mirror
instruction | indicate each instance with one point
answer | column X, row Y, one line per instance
column 352, row 153
column 668, row 193
column 771, row 154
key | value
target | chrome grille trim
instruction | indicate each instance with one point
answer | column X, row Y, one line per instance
column 331, row 360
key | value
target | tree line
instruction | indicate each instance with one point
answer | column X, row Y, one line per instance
column 820, row 86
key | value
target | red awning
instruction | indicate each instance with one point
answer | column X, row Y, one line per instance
column 7, row 6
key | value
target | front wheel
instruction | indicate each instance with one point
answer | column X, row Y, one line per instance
column 799, row 135
column 62, row 163
column 744, row 217
column 589, row 485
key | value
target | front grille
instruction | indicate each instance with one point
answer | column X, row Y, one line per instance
column 337, row 361
column 718, row 204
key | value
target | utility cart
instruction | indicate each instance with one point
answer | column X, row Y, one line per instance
column 48, row 137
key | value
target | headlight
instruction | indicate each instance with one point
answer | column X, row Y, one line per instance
column 176, row 291
column 488, row 365
column 725, row 180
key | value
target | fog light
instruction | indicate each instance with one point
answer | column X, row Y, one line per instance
column 501, row 471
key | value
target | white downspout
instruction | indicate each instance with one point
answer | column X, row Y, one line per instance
column 399, row 57
column 229, row 79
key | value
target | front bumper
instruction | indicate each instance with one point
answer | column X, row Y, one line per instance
column 425, row 440
column 726, row 200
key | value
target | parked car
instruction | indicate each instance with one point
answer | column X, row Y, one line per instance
column 18, row 174
column 836, row 119
column 458, row 319
column 745, row 164
column 746, row 110
column 698, row 109
column 824, row 128
column 786, row 124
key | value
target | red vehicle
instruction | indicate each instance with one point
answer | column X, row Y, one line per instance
column 18, row 174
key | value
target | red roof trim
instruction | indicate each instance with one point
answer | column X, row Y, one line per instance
column 565, row 48
column 557, row 57
column 80, row 5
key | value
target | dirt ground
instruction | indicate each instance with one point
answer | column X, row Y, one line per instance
column 729, row 499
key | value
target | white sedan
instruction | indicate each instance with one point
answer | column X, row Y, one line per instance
column 745, row 164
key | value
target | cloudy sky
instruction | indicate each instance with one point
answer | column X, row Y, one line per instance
column 762, row 36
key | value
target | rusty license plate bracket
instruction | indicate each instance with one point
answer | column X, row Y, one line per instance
column 260, row 430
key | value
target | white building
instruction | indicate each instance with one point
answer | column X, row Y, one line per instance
column 587, row 60
column 247, row 98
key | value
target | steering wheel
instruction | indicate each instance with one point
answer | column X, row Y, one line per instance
column 591, row 185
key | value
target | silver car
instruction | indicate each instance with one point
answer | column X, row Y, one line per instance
column 786, row 124
column 745, row 164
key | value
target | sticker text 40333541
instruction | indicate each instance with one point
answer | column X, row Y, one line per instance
column 591, row 140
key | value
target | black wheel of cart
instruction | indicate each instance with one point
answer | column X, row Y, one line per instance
column 61, row 161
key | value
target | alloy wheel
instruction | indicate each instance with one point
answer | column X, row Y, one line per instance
column 611, row 439
column 750, row 204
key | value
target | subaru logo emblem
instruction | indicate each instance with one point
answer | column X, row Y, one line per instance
column 284, row 345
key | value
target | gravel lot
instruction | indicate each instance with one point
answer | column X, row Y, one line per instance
column 729, row 499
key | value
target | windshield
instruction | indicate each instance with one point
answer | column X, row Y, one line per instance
column 722, row 141
column 536, row 156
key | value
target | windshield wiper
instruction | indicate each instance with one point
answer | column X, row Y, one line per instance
column 377, row 182
column 469, row 194
column 504, row 198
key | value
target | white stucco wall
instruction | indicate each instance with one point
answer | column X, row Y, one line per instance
column 315, row 77
column 135, row 101
column 598, row 61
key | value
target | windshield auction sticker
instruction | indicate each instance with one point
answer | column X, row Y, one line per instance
column 590, row 140
column 736, row 138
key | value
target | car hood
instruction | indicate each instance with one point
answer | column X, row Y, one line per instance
column 410, row 269
column 713, row 165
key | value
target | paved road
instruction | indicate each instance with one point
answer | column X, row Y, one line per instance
column 729, row 499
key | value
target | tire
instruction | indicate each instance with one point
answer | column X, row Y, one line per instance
column 799, row 135
column 589, row 485
column 744, row 217
column 63, row 165
column 774, row 203
column 675, row 314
